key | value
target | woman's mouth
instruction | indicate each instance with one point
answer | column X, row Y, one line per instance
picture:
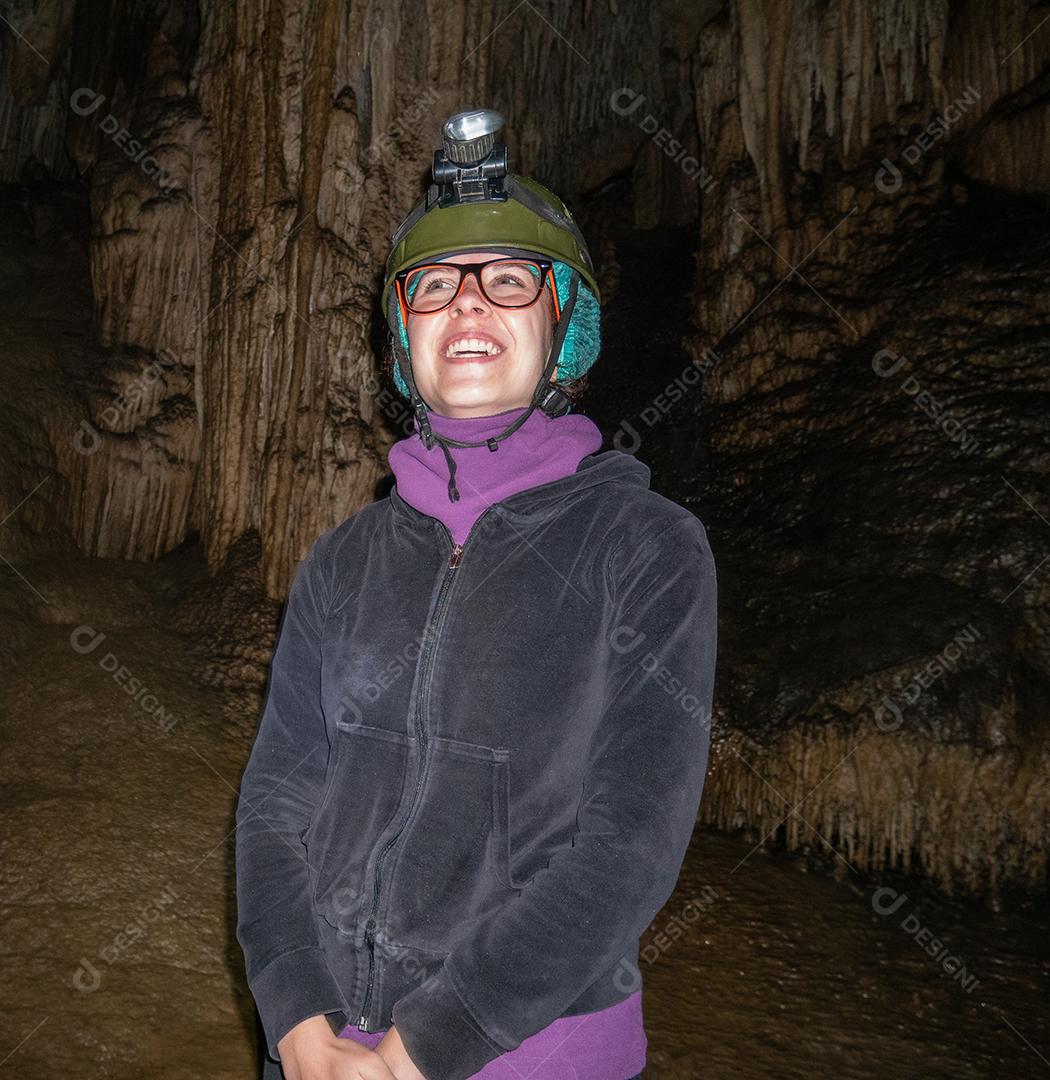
column 471, row 348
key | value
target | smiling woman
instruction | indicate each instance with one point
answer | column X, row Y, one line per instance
column 482, row 351
column 485, row 842
column 550, row 277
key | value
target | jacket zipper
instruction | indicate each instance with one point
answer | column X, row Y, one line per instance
column 424, row 692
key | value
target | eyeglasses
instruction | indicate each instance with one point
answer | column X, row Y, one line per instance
column 507, row 283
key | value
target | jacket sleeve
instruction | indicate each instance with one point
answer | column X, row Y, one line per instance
column 282, row 782
column 573, row 921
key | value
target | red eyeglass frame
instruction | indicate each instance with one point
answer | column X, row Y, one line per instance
column 546, row 267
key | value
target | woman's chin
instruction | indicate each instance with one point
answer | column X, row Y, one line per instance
column 479, row 398
column 469, row 387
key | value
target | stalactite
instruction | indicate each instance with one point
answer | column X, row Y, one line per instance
column 836, row 55
column 899, row 268
column 36, row 84
column 976, row 822
column 289, row 236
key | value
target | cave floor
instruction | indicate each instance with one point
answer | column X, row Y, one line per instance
column 118, row 908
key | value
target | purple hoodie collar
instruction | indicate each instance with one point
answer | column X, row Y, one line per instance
column 542, row 449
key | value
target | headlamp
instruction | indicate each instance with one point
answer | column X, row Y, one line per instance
column 471, row 165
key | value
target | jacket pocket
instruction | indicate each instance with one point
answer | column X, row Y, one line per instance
column 453, row 860
column 503, row 857
column 361, row 803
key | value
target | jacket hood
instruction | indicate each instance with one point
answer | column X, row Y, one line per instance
column 605, row 467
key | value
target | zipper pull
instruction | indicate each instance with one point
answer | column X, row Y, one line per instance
column 453, row 559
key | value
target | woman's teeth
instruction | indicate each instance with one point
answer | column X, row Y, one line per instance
column 472, row 347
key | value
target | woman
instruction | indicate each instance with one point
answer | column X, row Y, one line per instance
column 485, row 739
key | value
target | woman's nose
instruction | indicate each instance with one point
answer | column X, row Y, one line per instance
column 470, row 294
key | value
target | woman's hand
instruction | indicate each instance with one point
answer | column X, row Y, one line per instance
column 393, row 1052
column 311, row 1051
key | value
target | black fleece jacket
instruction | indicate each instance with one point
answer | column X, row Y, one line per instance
column 477, row 771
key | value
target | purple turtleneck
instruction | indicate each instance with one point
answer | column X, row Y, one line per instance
column 541, row 450
column 609, row 1044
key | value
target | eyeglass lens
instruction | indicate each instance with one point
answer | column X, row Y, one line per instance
column 506, row 282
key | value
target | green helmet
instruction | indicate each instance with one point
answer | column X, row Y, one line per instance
column 532, row 218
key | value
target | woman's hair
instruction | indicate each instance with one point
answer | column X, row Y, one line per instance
column 575, row 390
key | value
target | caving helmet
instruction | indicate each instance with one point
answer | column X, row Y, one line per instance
column 474, row 203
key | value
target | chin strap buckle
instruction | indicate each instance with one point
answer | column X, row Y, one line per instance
column 554, row 401
column 423, row 421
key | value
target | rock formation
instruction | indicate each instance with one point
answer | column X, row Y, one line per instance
column 866, row 343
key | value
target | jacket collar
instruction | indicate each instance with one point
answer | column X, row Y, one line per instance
column 537, row 503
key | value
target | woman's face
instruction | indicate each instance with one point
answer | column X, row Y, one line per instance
column 480, row 385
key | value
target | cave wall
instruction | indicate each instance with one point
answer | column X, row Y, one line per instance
column 807, row 109
column 246, row 168
column 867, row 182
column 870, row 314
column 234, row 290
column 326, row 124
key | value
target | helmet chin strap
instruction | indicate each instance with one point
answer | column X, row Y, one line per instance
column 547, row 397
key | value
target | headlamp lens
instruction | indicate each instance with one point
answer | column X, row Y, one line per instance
column 473, row 124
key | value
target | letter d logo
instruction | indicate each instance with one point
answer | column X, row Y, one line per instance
column 620, row 442
column 627, row 978
column 888, row 178
column 883, row 894
column 625, row 101
column 888, row 716
column 87, row 978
